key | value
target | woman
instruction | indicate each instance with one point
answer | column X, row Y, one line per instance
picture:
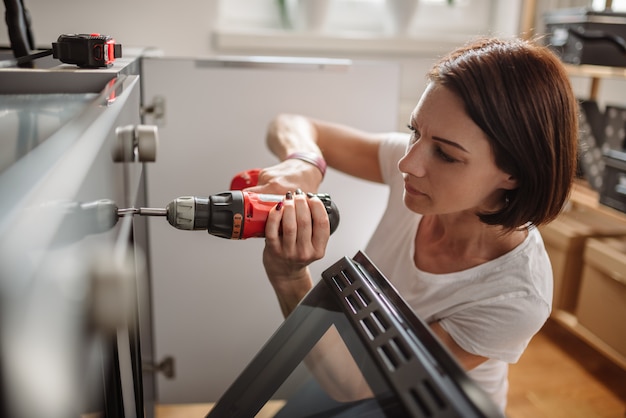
column 491, row 155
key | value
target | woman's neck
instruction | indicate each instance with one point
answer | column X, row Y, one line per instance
column 455, row 242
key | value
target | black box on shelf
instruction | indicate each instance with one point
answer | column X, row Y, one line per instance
column 590, row 143
column 615, row 127
column 585, row 36
column 614, row 185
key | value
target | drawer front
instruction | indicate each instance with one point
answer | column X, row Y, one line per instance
column 69, row 268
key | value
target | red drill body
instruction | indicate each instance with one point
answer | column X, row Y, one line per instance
column 233, row 214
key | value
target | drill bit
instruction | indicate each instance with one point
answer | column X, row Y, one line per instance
column 142, row 211
column 127, row 211
column 152, row 212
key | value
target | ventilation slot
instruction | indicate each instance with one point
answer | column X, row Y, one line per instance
column 421, row 404
column 434, row 394
column 363, row 298
column 399, row 346
column 428, row 399
column 380, row 321
column 389, row 357
column 340, row 282
column 353, row 303
column 371, row 329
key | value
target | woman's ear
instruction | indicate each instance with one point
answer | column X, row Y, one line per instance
column 510, row 183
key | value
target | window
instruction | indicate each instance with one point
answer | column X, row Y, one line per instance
column 368, row 16
column 616, row 6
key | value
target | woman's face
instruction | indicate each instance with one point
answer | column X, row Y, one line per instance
column 449, row 166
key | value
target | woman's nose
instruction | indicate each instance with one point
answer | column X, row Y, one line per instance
column 413, row 161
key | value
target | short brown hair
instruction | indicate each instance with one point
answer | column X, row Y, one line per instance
column 519, row 94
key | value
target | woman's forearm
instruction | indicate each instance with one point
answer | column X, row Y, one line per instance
column 288, row 134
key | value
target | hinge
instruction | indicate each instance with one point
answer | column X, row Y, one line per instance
column 166, row 366
column 156, row 110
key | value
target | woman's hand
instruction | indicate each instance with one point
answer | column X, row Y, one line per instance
column 296, row 234
column 288, row 134
column 288, row 175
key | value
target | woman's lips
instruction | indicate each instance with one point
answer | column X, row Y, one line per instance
column 412, row 190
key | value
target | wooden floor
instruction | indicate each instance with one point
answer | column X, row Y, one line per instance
column 557, row 377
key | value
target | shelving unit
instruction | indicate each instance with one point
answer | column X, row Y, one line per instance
column 587, row 199
column 596, row 73
column 583, row 197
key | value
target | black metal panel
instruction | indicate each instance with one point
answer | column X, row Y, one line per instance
column 422, row 373
column 406, row 368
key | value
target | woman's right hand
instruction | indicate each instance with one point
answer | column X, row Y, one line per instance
column 296, row 234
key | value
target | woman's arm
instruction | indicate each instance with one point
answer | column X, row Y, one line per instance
column 297, row 231
column 467, row 360
column 296, row 235
column 346, row 149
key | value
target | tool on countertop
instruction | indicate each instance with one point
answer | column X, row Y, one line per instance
column 233, row 214
column 84, row 50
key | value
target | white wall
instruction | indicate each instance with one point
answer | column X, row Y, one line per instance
column 179, row 28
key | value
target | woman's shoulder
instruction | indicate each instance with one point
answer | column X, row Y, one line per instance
column 391, row 149
column 531, row 248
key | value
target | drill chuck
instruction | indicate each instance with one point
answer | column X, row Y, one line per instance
column 233, row 214
column 219, row 214
column 180, row 213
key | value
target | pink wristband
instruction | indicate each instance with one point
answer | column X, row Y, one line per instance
column 311, row 158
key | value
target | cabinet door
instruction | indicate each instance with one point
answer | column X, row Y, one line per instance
column 69, row 269
column 213, row 306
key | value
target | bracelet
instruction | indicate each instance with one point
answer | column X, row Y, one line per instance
column 311, row 158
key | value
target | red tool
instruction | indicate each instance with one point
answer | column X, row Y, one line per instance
column 245, row 179
column 234, row 214
column 86, row 50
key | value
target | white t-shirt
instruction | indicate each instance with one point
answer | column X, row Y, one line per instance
column 491, row 310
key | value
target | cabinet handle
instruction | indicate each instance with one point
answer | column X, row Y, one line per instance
column 135, row 143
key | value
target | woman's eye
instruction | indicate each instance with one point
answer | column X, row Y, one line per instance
column 445, row 157
column 414, row 134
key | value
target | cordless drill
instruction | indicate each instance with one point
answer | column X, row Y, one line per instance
column 233, row 214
